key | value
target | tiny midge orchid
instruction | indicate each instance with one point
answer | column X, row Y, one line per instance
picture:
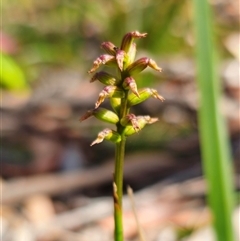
column 123, row 93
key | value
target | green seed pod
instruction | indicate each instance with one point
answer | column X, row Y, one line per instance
column 105, row 78
column 116, row 104
column 107, row 134
column 105, row 115
column 144, row 94
column 107, row 92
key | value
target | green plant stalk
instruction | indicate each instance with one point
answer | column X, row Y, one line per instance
column 118, row 180
column 118, row 174
column 214, row 145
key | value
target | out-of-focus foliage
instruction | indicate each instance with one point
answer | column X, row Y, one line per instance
column 64, row 32
column 12, row 76
column 59, row 35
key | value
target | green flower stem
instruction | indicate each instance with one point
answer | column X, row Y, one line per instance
column 118, row 180
column 118, row 174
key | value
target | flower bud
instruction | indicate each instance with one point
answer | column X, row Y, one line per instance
column 102, row 59
column 141, row 64
column 107, row 134
column 109, row 47
column 144, row 94
column 141, row 122
column 127, row 40
column 116, row 104
column 104, row 78
column 107, row 92
column 101, row 114
column 130, row 83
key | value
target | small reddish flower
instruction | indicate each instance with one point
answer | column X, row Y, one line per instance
column 103, row 59
column 130, row 84
column 109, row 47
column 107, row 134
column 107, row 92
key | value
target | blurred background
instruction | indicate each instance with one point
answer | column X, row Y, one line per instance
column 57, row 187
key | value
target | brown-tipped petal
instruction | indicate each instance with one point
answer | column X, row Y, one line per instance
column 156, row 95
column 107, row 92
column 152, row 64
column 130, row 83
column 149, row 119
column 136, row 34
column 101, row 136
column 134, row 121
column 88, row 114
column 98, row 140
column 152, row 120
column 103, row 59
column 109, row 47
column 102, row 96
column 120, row 57
column 133, row 88
column 107, row 134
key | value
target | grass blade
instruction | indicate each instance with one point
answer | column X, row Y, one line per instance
column 214, row 145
